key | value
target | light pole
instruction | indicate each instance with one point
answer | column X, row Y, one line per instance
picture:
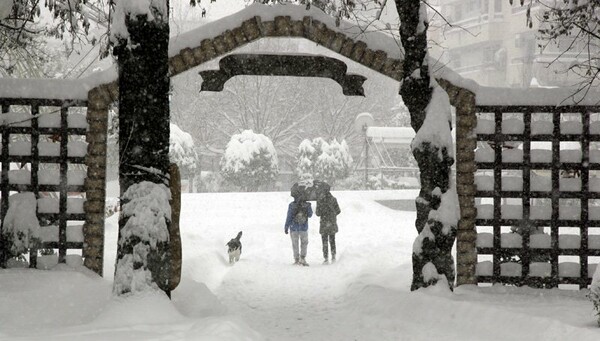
column 361, row 124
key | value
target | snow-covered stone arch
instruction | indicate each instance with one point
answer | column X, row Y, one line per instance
column 378, row 51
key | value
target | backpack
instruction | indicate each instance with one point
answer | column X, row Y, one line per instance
column 301, row 215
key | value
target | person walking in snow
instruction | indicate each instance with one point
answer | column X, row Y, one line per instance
column 296, row 223
column 328, row 209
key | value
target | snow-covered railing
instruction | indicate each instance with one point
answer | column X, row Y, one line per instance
column 537, row 194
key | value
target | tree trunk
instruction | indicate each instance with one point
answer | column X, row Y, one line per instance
column 144, row 129
column 174, row 235
column 434, row 242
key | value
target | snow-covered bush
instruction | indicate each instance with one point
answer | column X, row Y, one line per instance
column 326, row 161
column 308, row 153
column 143, row 238
column 334, row 162
column 250, row 161
column 594, row 294
column 21, row 228
column 374, row 183
column 182, row 151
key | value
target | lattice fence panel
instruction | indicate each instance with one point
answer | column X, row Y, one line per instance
column 538, row 195
column 43, row 152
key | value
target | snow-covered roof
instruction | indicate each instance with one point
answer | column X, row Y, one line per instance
column 391, row 135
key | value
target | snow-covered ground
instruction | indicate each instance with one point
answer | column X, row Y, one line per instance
column 364, row 296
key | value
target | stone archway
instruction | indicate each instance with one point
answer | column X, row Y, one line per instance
column 283, row 26
column 255, row 28
column 101, row 97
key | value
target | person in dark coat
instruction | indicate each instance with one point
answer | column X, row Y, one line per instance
column 327, row 210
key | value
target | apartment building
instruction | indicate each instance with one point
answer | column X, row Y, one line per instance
column 489, row 41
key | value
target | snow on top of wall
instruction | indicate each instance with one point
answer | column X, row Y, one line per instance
column 525, row 96
column 375, row 40
column 391, row 135
column 75, row 89
column 42, row 88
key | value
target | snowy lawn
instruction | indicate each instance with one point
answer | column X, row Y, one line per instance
column 364, row 296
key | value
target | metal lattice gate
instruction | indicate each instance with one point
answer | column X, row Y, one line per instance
column 44, row 152
column 538, row 195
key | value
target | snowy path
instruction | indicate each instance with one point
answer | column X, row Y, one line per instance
column 364, row 296
column 296, row 305
column 286, row 302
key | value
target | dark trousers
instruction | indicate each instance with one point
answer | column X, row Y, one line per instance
column 328, row 240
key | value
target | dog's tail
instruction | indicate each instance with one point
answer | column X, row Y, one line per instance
column 239, row 236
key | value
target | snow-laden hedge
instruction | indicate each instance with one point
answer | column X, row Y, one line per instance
column 250, row 161
column 21, row 228
column 318, row 159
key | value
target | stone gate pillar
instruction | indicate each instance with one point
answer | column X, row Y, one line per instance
column 466, row 142
column 99, row 99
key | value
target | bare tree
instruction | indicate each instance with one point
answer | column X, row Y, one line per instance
column 23, row 50
column 21, row 45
